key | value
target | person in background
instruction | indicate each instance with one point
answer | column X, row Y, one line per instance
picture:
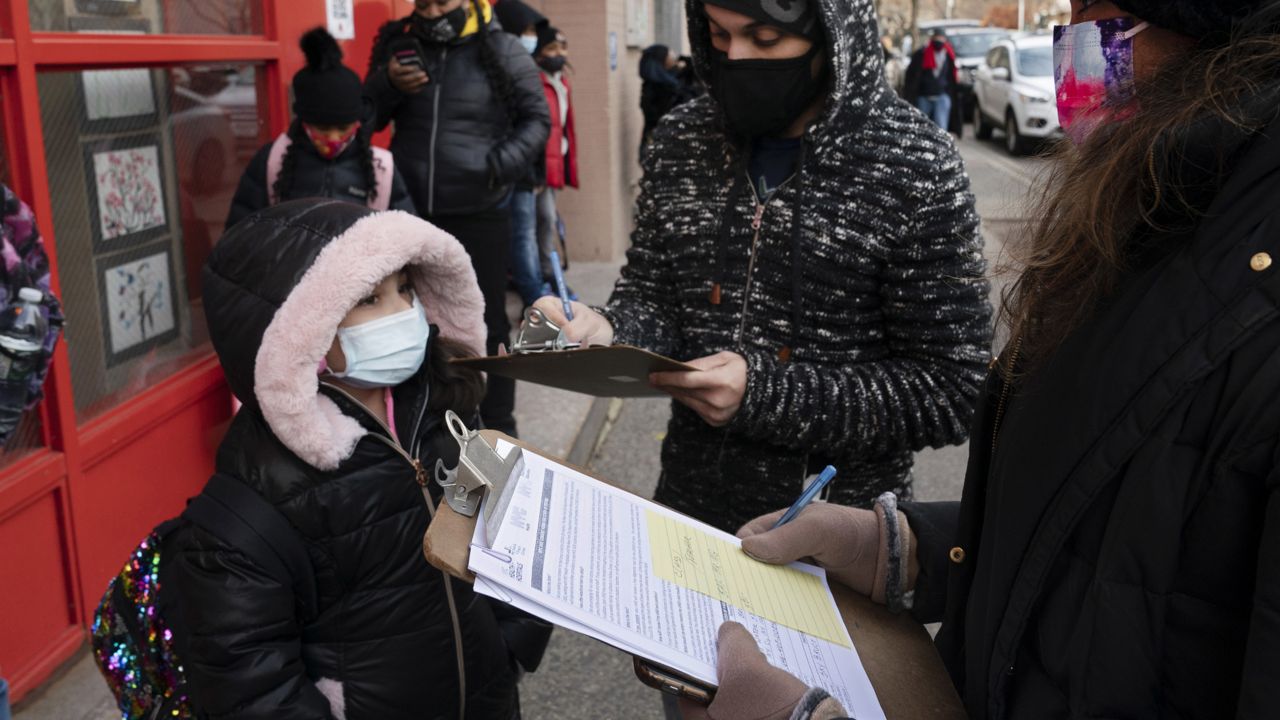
column 1116, row 551
column 24, row 359
column 470, row 120
column 668, row 82
column 527, row 24
column 933, row 81
column 327, row 151
column 562, row 147
column 808, row 242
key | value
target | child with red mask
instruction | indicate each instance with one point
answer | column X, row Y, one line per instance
column 326, row 151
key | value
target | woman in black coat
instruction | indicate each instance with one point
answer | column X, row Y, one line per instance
column 311, row 308
column 470, row 121
column 1116, row 552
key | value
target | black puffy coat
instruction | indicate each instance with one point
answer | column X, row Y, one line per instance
column 455, row 143
column 1117, row 550
column 391, row 632
column 342, row 178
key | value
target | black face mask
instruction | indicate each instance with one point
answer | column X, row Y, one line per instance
column 763, row 97
column 443, row 29
column 552, row 65
column 938, row 44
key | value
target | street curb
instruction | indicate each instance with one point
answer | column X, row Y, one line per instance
column 584, row 445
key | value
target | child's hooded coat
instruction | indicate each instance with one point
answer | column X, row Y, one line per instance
column 386, row 642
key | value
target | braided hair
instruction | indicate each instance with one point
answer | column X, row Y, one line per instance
column 289, row 163
column 499, row 80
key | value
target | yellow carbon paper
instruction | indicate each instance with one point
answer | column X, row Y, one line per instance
column 692, row 558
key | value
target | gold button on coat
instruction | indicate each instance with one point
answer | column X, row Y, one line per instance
column 1260, row 262
column 957, row 555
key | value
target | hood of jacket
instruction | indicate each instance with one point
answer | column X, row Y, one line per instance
column 514, row 16
column 278, row 284
column 854, row 55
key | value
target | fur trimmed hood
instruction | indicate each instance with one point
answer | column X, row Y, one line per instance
column 278, row 284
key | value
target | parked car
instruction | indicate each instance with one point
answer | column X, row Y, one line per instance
column 1015, row 92
column 971, row 45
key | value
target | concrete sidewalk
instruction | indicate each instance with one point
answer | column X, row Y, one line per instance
column 550, row 419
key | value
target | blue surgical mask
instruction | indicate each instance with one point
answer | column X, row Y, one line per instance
column 530, row 42
column 387, row 351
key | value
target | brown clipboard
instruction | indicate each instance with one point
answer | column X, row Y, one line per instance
column 904, row 667
column 606, row 371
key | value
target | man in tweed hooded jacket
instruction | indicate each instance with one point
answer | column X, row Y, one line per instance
column 870, row 347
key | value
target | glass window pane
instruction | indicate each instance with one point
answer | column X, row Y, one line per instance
column 142, row 167
column 151, row 17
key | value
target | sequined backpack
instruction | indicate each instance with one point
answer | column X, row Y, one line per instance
column 137, row 628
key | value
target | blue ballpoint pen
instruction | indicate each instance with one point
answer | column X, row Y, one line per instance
column 561, row 287
column 807, row 496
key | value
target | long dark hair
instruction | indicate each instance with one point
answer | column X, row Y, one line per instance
column 455, row 388
column 363, row 147
column 1135, row 182
column 499, row 79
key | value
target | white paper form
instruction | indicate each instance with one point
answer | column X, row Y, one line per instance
column 576, row 552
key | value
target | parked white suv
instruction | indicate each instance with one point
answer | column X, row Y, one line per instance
column 1015, row 92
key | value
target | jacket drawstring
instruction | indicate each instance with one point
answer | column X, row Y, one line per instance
column 722, row 242
column 797, row 258
column 797, row 248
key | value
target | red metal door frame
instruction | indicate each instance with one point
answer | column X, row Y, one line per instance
column 71, row 448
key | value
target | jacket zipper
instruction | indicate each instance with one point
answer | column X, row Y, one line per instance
column 435, row 130
column 1006, row 388
column 757, row 221
column 422, row 477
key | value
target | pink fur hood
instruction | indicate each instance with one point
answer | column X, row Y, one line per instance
column 313, row 260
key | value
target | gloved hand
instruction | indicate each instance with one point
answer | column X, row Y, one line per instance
column 852, row 545
column 750, row 688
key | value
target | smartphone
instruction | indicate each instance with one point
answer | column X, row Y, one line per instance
column 410, row 58
column 672, row 683
column 408, row 52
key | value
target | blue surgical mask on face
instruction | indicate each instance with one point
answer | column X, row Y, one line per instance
column 530, row 42
column 387, row 351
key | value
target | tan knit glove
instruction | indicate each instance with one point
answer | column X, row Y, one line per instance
column 858, row 548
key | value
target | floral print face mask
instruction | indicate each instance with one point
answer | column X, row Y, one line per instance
column 330, row 148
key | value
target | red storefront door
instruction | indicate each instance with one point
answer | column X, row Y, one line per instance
column 167, row 100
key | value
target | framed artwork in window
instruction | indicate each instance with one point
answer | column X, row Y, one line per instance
column 117, row 100
column 113, row 24
column 138, row 301
column 125, row 179
column 109, row 7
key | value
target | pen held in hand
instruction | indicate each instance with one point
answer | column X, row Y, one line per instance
column 806, row 497
column 561, row 287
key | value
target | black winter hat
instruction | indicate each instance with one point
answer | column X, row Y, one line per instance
column 326, row 92
column 546, row 36
column 798, row 17
column 1199, row 19
column 515, row 16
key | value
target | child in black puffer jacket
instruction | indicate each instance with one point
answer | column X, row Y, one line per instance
column 327, row 151
column 334, row 325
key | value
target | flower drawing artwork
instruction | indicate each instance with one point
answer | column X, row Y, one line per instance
column 139, row 301
column 130, row 198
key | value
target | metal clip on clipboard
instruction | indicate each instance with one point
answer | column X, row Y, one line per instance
column 480, row 470
column 539, row 334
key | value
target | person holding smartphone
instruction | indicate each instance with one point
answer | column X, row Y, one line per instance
column 1116, row 552
column 470, row 120
column 808, row 242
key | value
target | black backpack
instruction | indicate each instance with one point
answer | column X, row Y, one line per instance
column 137, row 628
